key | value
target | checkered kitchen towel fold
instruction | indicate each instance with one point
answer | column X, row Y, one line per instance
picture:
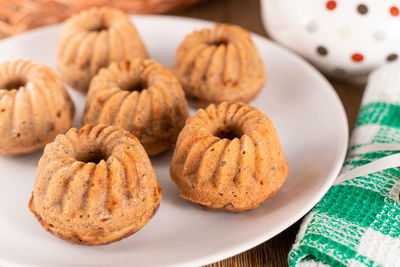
column 357, row 223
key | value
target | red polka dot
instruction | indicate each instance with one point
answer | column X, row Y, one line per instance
column 331, row 5
column 394, row 11
column 357, row 57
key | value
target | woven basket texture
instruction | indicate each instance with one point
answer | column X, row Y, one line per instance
column 17, row 16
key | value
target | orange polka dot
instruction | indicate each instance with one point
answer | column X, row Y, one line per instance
column 394, row 11
column 331, row 5
column 357, row 57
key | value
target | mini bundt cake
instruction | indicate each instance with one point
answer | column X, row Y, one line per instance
column 219, row 64
column 92, row 40
column 95, row 186
column 228, row 157
column 34, row 107
column 142, row 97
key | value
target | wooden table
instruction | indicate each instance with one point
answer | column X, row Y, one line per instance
column 247, row 14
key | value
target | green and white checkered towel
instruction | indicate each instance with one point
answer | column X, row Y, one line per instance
column 357, row 223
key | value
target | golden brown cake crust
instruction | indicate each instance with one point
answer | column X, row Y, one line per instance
column 95, row 186
column 142, row 97
column 228, row 157
column 219, row 64
column 92, row 40
column 75, row 239
column 34, row 107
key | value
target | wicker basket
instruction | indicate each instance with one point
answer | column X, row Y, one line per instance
column 17, row 16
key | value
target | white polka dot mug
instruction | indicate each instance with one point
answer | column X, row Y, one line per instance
column 346, row 39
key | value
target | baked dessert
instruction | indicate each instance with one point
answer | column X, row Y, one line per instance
column 142, row 97
column 92, row 40
column 34, row 107
column 95, row 186
column 228, row 157
column 219, row 64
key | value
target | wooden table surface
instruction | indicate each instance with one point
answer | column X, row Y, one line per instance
column 246, row 14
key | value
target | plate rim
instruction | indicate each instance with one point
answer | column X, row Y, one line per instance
column 225, row 253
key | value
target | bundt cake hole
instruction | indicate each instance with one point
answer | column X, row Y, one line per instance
column 228, row 133
column 220, row 42
column 101, row 26
column 14, row 84
column 131, row 86
column 94, row 156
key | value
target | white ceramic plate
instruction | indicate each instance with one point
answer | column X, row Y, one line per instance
column 311, row 124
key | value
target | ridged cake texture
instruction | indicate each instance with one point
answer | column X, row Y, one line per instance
column 34, row 106
column 94, row 186
column 142, row 97
column 91, row 40
column 219, row 64
column 228, row 157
